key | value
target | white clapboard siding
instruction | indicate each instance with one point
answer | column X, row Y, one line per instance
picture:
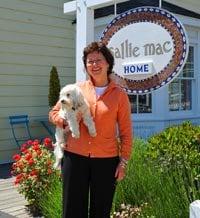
column 9, row 91
column 54, row 3
column 31, row 28
column 33, row 7
column 34, row 18
column 35, row 39
column 24, row 81
column 44, row 60
column 32, row 111
column 24, row 101
column 12, row 143
column 27, row 81
column 37, row 70
column 14, row 48
column 34, row 36
column 21, row 48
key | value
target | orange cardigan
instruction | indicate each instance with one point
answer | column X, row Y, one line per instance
column 108, row 110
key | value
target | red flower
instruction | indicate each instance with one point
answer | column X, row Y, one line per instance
column 23, row 149
column 29, row 142
column 49, row 162
column 36, row 142
column 16, row 157
column 36, row 147
column 49, row 171
column 18, row 178
column 47, row 141
column 20, row 165
column 39, row 152
column 24, row 145
column 31, row 162
column 34, row 173
column 17, row 181
column 28, row 156
column 26, row 151
column 14, row 166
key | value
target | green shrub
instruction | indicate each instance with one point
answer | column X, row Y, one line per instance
column 54, row 87
column 150, row 189
column 177, row 149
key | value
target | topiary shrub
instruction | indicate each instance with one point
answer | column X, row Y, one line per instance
column 54, row 87
column 177, row 148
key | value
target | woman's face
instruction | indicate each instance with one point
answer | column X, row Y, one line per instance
column 97, row 66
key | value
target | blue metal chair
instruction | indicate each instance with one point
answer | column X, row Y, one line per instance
column 20, row 121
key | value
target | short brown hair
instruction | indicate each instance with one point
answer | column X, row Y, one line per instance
column 99, row 47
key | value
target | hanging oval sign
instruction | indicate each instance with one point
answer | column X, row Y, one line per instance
column 150, row 47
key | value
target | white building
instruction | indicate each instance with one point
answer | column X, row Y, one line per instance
column 35, row 35
column 173, row 103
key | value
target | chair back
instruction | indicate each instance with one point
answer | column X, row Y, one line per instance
column 20, row 121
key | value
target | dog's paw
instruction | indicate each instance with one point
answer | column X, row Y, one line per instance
column 93, row 134
column 76, row 135
column 63, row 145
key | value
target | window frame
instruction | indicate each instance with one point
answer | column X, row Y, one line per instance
column 138, row 105
column 193, row 87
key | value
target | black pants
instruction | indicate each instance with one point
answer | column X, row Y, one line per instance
column 88, row 178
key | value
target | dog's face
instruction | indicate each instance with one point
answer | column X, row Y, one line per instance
column 71, row 97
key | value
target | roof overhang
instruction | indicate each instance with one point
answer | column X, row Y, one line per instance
column 192, row 5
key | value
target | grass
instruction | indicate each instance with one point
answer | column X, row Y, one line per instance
column 164, row 194
column 50, row 202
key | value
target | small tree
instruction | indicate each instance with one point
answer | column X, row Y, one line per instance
column 54, row 87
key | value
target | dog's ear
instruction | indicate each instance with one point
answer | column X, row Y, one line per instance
column 79, row 101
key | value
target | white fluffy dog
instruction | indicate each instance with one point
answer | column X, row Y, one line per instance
column 72, row 103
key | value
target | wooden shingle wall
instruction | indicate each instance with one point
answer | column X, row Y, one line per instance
column 34, row 36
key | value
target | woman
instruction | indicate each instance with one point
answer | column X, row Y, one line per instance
column 91, row 165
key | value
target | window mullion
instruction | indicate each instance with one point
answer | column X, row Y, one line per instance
column 179, row 82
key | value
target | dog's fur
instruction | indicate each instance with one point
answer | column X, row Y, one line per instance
column 72, row 102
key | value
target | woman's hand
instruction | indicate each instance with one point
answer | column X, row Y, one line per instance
column 66, row 128
column 79, row 117
column 120, row 172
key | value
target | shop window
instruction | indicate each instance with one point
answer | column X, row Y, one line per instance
column 180, row 89
column 141, row 103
